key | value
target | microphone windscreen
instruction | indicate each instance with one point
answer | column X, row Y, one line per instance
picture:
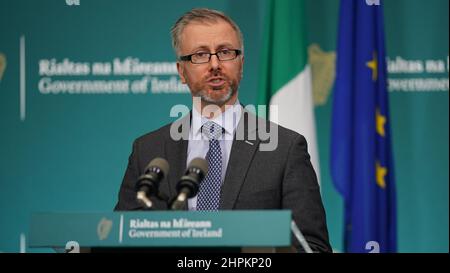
column 199, row 163
column 160, row 163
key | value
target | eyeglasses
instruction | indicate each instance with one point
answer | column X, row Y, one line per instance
column 205, row 57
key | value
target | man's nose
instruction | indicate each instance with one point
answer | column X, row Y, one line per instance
column 214, row 62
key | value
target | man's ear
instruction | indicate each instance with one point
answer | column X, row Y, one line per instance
column 180, row 69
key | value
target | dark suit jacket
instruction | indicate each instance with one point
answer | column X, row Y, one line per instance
column 280, row 179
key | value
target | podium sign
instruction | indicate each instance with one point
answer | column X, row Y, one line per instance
column 162, row 229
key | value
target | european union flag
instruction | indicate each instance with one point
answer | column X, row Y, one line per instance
column 361, row 154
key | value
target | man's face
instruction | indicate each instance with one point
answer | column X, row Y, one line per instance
column 216, row 82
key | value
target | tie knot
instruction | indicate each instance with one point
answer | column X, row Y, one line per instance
column 212, row 130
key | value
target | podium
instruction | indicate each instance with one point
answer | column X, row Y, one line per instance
column 163, row 231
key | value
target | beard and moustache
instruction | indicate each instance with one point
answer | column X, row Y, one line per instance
column 217, row 100
column 210, row 97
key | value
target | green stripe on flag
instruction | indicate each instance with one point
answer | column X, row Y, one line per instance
column 284, row 49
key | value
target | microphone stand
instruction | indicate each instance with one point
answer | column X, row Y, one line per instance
column 301, row 239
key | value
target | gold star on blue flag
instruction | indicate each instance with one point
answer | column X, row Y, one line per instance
column 373, row 64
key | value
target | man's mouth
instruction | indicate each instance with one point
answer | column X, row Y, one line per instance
column 216, row 81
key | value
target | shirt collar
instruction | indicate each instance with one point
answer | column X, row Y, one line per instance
column 227, row 120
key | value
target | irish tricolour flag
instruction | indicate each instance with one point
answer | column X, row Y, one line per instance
column 286, row 75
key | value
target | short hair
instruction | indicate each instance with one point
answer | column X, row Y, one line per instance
column 201, row 15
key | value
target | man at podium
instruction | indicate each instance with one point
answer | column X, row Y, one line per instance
column 248, row 168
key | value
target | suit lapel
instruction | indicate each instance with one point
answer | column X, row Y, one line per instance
column 244, row 146
column 176, row 153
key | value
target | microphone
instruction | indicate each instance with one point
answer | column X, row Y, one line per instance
column 189, row 183
column 148, row 183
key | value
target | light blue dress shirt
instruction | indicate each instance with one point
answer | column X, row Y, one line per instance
column 198, row 144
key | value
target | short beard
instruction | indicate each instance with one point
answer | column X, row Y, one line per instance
column 221, row 101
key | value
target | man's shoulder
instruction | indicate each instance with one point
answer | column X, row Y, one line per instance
column 164, row 132
column 283, row 132
column 286, row 132
column 156, row 135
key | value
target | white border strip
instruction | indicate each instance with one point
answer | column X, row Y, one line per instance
column 22, row 243
column 22, row 79
column 121, row 229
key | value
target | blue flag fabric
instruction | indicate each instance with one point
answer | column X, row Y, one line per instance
column 361, row 156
